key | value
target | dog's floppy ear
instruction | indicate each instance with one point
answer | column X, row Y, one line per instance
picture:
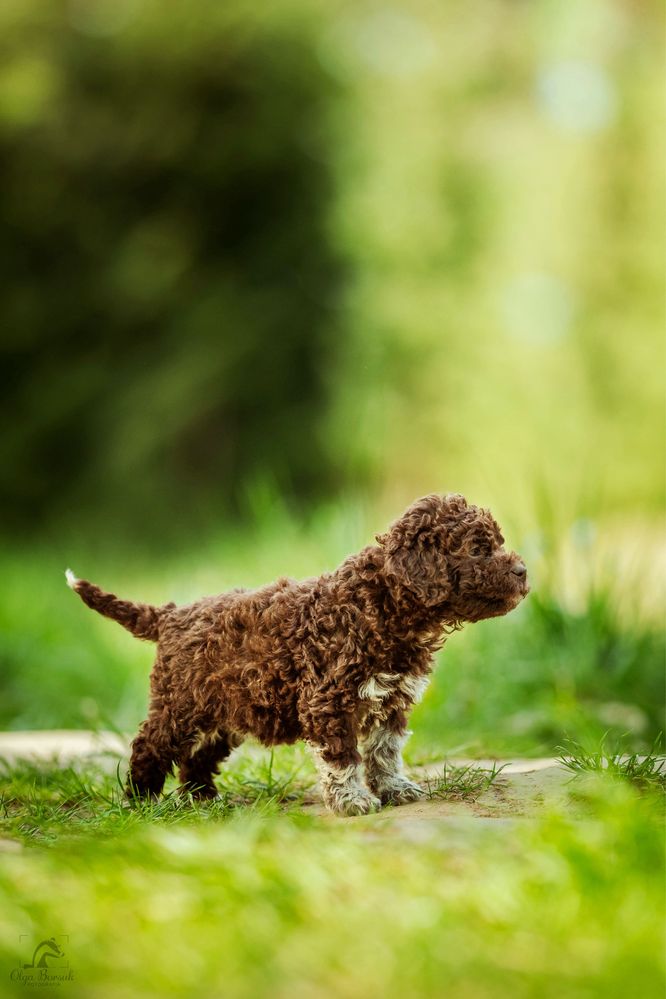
column 415, row 552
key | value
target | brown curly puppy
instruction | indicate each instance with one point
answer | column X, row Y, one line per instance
column 338, row 660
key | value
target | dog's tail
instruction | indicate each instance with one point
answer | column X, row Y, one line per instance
column 141, row 619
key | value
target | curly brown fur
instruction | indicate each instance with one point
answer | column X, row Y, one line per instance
column 338, row 660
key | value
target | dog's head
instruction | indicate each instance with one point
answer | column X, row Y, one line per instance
column 447, row 554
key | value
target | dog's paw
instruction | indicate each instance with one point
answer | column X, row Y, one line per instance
column 360, row 802
column 400, row 791
column 199, row 794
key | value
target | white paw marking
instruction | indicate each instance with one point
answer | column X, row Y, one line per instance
column 343, row 789
column 361, row 802
column 399, row 791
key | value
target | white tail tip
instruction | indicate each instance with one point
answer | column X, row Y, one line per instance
column 71, row 579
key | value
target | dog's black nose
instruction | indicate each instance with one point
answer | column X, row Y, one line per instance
column 519, row 569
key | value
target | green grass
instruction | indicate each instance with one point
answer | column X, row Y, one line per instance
column 44, row 803
column 453, row 783
column 644, row 771
column 252, row 897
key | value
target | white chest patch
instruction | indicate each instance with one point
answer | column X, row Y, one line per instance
column 382, row 685
column 379, row 686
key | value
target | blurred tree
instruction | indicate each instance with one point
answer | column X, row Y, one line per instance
column 169, row 287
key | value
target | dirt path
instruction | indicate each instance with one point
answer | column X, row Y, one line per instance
column 524, row 789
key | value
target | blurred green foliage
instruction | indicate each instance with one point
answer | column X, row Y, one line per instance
column 505, row 217
column 336, row 248
column 168, row 278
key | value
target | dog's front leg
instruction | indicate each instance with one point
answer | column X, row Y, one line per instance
column 331, row 730
column 341, row 781
column 382, row 756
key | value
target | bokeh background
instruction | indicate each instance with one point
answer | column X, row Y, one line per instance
column 271, row 272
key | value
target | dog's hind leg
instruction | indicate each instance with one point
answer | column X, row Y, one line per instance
column 152, row 759
column 198, row 769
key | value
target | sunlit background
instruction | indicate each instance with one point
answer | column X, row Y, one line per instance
column 272, row 271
